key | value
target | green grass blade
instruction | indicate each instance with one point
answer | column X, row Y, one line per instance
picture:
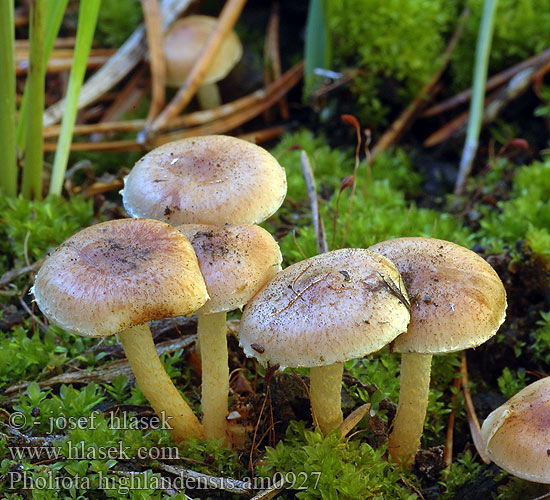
column 483, row 49
column 87, row 19
column 8, row 163
column 32, row 172
column 318, row 50
column 54, row 17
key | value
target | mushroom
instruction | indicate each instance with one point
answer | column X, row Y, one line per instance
column 236, row 261
column 115, row 277
column 457, row 302
column 184, row 41
column 516, row 435
column 213, row 179
column 321, row 312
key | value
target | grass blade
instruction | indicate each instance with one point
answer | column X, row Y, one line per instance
column 87, row 19
column 483, row 49
column 318, row 53
column 54, row 17
column 8, row 164
column 32, row 172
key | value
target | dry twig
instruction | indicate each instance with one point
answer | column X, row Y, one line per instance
column 157, row 62
column 473, row 422
column 309, row 179
column 493, row 82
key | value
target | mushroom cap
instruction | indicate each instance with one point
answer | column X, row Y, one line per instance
column 326, row 309
column 213, row 179
column 183, row 43
column 516, row 435
column 118, row 274
column 235, row 261
column 457, row 298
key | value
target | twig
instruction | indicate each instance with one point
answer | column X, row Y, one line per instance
column 424, row 95
column 59, row 64
column 157, row 62
column 221, row 483
column 218, row 127
column 483, row 49
column 13, row 274
column 473, row 422
column 118, row 66
column 228, row 17
column 309, row 179
column 493, row 82
column 129, row 96
column 287, row 80
column 493, row 105
column 448, row 452
column 355, row 123
column 272, row 57
column 105, row 373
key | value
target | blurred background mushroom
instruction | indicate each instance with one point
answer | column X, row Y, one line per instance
column 183, row 43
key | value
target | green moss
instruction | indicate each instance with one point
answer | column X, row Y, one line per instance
column 117, row 21
column 37, row 226
column 331, row 469
column 525, row 217
column 397, row 40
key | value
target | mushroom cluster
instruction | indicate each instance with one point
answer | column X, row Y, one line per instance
column 214, row 188
column 421, row 295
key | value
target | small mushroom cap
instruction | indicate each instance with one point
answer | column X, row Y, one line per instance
column 183, row 43
column 119, row 274
column 516, row 435
column 213, row 179
column 329, row 308
column 457, row 299
column 235, row 261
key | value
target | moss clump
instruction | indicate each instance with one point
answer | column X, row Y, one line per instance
column 524, row 217
column 117, row 21
column 396, row 40
column 326, row 467
column 33, row 227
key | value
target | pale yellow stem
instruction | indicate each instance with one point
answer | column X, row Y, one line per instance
column 209, row 96
column 325, row 387
column 212, row 334
column 411, row 411
column 156, row 385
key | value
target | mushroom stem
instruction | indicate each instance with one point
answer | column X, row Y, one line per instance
column 212, row 334
column 411, row 411
column 209, row 96
column 156, row 385
column 325, row 386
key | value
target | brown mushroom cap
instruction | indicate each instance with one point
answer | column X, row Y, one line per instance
column 235, row 261
column 184, row 42
column 213, row 179
column 457, row 299
column 119, row 274
column 516, row 435
column 329, row 308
